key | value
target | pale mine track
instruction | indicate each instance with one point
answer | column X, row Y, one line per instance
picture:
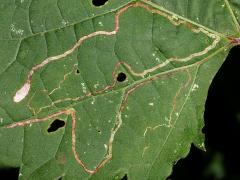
column 24, row 90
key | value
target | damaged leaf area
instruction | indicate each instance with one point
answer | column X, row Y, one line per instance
column 107, row 91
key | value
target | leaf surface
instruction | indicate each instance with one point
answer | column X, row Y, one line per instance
column 61, row 60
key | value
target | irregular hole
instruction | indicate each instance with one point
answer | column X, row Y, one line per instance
column 99, row 2
column 125, row 177
column 77, row 71
column 121, row 77
column 55, row 125
column 9, row 173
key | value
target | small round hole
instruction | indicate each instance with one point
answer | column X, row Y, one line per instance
column 99, row 2
column 77, row 71
column 121, row 77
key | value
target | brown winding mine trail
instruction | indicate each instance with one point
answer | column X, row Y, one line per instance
column 24, row 90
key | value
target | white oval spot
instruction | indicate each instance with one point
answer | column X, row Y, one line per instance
column 21, row 93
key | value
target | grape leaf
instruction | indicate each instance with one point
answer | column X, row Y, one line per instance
column 127, row 81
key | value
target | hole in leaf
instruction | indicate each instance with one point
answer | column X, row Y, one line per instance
column 99, row 131
column 9, row 173
column 125, row 177
column 121, row 77
column 99, row 2
column 55, row 125
column 77, row 71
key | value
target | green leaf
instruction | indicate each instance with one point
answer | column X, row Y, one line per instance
column 63, row 59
